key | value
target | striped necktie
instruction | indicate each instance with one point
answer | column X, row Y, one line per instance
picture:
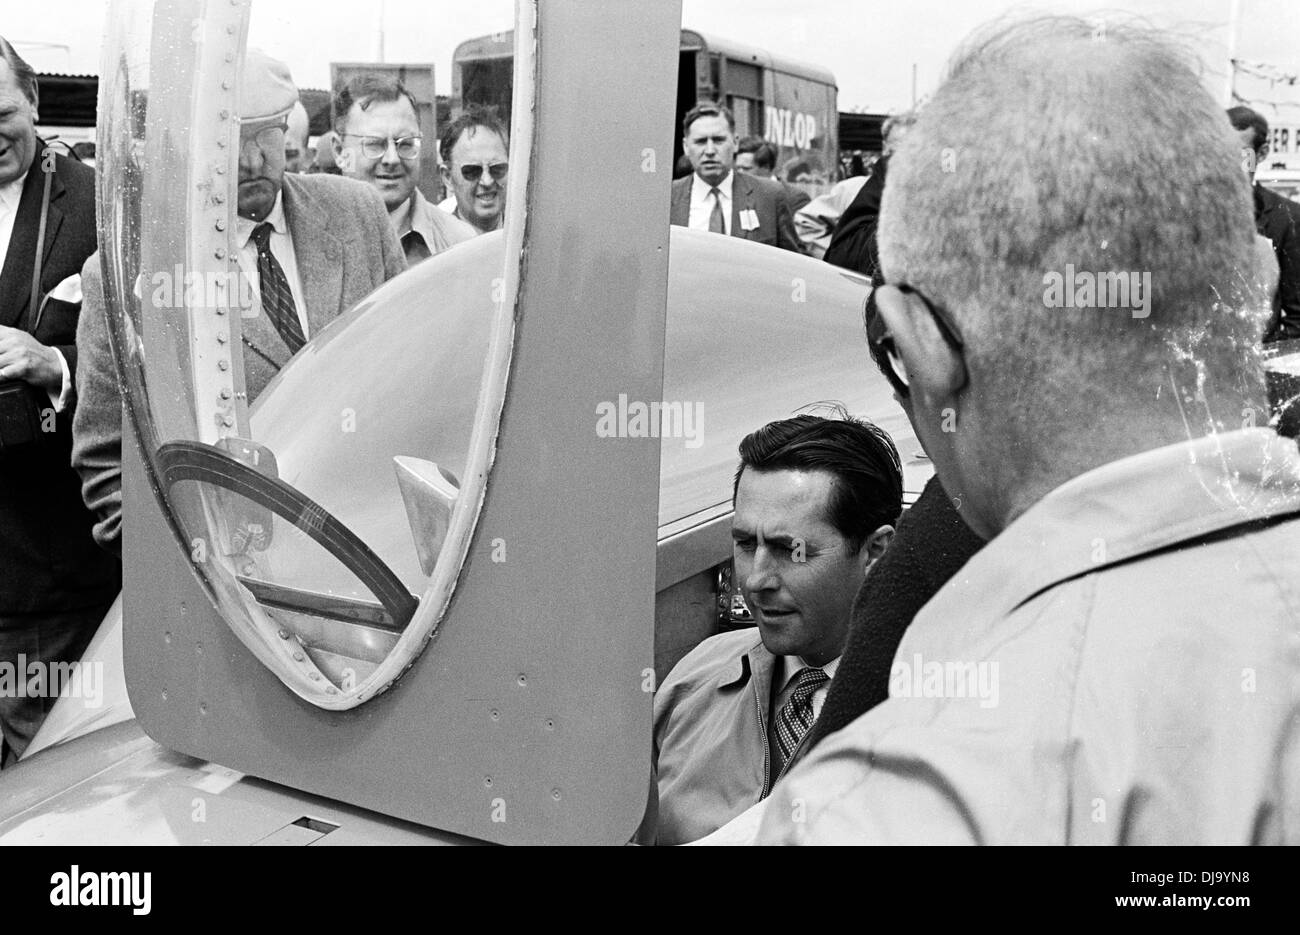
column 716, row 223
column 277, row 298
column 796, row 715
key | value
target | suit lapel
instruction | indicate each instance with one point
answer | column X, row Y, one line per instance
column 16, row 276
column 680, row 210
column 741, row 199
column 320, row 256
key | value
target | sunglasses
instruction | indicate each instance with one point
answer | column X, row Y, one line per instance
column 373, row 147
column 472, row 173
column 881, row 342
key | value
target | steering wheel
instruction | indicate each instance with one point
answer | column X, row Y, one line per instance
column 188, row 460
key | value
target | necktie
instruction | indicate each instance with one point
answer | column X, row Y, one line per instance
column 796, row 715
column 716, row 224
column 277, row 299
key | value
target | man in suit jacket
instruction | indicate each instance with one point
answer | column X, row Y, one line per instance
column 55, row 586
column 716, row 198
column 1276, row 218
column 331, row 243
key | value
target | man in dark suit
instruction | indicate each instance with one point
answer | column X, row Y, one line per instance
column 55, row 585
column 1276, row 218
column 312, row 245
column 714, row 198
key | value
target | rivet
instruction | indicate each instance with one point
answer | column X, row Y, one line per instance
column 221, row 337
column 223, row 365
column 221, row 144
column 167, row 636
column 230, row 56
column 225, row 393
column 219, row 253
column 298, row 657
column 283, row 634
column 221, row 170
column 198, row 648
column 487, row 781
column 522, row 680
column 555, row 794
column 550, row 723
column 230, row 30
column 220, row 225
column 224, row 114
column 220, row 310
column 495, row 714
column 227, row 421
column 163, row 694
column 225, row 85
column 219, row 199
column 314, row 676
column 203, row 708
column 331, row 690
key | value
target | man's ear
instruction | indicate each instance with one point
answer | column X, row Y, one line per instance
column 935, row 370
column 874, row 546
column 342, row 157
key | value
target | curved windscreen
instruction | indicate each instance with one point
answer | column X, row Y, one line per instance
column 313, row 352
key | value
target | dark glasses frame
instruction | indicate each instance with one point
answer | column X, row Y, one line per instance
column 881, row 343
column 474, row 171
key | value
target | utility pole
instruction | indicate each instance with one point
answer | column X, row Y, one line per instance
column 914, row 85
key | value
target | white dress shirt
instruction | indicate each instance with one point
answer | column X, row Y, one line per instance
column 702, row 203
column 10, row 196
column 281, row 249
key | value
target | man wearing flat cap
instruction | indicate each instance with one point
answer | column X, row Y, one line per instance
column 311, row 245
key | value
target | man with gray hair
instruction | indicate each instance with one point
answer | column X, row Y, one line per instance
column 1070, row 319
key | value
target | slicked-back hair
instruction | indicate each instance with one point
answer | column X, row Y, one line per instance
column 1243, row 118
column 764, row 152
column 24, row 77
column 479, row 117
column 1055, row 141
column 365, row 90
column 706, row 109
column 867, row 491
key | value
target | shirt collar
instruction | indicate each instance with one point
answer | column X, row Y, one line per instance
column 796, row 664
column 244, row 227
column 757, row 656
column 1123, row 510
column 700, row 189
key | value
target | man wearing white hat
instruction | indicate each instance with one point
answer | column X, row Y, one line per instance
column 313, row 245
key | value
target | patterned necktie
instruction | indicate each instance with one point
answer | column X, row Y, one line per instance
column 716, row 224
column 796, row 715
column 277, row 299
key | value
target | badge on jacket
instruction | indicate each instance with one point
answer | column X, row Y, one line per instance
column 749, row 219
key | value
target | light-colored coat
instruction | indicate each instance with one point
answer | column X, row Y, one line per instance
column 345, row 247
column 1134, row 643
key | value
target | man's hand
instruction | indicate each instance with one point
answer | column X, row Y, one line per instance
column 22, row 357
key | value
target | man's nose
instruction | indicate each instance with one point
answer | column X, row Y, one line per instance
column 250, row 155
column 762, row 575
column 390, row 157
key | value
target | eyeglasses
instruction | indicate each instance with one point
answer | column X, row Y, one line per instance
column 881, row 342
column 472, row 173
column 408, row 147
column 268, row 137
